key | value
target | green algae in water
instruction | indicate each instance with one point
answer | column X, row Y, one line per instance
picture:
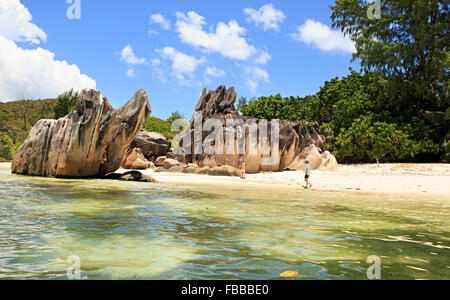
column 127, row 230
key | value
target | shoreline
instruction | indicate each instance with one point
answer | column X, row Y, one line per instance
column 396, row 179
column 400, row 179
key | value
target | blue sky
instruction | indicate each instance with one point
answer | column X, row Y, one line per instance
column 173, row 49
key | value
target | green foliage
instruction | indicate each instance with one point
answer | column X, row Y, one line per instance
column 367, row 141
column 174, row 116
column 6, row 144
column 16, row 120
column 366, row 126
column 396, row 109
column 65, row 104
column 242, row 101
column 154, row 124
column 408, row 45
column 277, row 107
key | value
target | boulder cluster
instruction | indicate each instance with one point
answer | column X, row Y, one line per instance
column 151, row 150
column 95, row 140
column 298, row 142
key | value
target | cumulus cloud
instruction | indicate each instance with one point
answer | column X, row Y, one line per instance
column 214, row 72
column 127, row 55
column 323, row 37
column 267, row 16
column 228, row 39
column 31, row 73
column 36, row 73
column 130, row 73
column 160, row 20
column 182, row 65
column 263, row 58
column 255, row 76
column 16, row 25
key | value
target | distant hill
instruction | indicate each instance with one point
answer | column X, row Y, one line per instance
column 16, row 120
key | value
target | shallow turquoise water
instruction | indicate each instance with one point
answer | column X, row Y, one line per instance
column 122, row 230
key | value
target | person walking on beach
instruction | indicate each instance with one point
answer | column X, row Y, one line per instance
column 307, row 175
column 243, row 168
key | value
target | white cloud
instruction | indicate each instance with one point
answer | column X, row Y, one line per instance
column 228, row 39
column 263, row 58
column 181, row 62
column 36, row 74
column 130, row 73
column 153, row 32
column 31, row 73
column 267, row 16
column 182, row 65
column 155, row 62
column 159, row 19
column 127, row 55
column 16, row 25
column 214, row 72
column 323, row 37
column 255, row 76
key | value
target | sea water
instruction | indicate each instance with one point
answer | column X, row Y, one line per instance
column 105, row 229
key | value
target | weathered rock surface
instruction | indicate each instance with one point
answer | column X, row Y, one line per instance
column 318, row 160
column 159, row 162
column 130, row 176
column 169, row 163
column 176, row 169
column 294, row 138
column 152, row 144
column 91, row 141
column 135, row 160
column 216, row 171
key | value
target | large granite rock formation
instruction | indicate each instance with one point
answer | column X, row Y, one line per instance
column 296, row 139
column 91, row 141
column 152, row 144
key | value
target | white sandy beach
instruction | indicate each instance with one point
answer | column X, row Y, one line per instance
column 418, row 179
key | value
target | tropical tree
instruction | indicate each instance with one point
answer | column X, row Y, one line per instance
column 408, row 44
column 65, row 104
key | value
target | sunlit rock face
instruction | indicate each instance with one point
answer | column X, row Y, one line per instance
column 152, row 144
column 90, row 141
column 135, row 160
column 242, row 138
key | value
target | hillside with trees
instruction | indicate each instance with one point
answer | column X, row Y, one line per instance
column 16, row 120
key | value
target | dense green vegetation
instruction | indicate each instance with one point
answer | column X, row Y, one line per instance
column 18, row 117
column 65, row 104
column 16, row 120
column 397, row 108
column 164, row 127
